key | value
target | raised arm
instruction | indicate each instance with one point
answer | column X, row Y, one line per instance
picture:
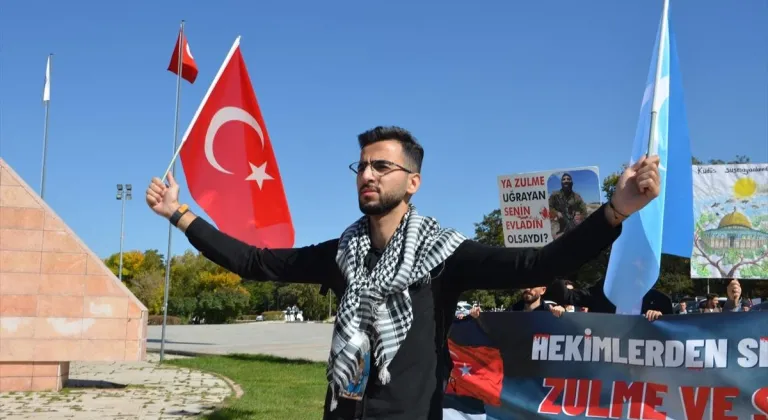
column 487, row 267
column 491, row 267
column 311, row 264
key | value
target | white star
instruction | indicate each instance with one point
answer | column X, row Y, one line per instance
column 258, row 174
column 465, row 370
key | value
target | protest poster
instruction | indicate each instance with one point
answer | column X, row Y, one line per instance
column 731, row 221
column 538, row 207
column 532, row 365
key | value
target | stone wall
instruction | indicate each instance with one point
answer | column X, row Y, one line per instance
column 58, row 301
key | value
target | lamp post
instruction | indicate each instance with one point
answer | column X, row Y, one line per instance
column 122, row 195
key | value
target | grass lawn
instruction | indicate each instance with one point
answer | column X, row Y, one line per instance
column 274, row 388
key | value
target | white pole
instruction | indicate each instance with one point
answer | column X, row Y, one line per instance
column 47, row 100
column 168, row 256
column 653, row 142
column 122, row 236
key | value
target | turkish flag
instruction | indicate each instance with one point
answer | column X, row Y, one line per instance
column 229, row 163
column 478, row 372
column 188, row 64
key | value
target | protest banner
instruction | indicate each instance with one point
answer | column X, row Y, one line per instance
column 538, row 207
column 731, row 221
column 532, row 365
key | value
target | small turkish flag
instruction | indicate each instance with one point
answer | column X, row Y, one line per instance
column 478, row 372
column 230, row 167
column 188, row 65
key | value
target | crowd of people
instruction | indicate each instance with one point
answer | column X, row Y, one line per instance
column 562, row 297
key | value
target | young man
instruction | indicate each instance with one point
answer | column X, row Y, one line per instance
column 711, row 305
column 400, row 274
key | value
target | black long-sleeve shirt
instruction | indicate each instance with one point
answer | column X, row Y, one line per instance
column 422, row 363
column 595, row 299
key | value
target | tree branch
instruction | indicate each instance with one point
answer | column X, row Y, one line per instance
column 741, row 263
column 704, row 254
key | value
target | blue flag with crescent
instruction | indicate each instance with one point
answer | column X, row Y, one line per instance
column 666, row 224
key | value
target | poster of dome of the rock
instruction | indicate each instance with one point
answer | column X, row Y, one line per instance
column 731, row 221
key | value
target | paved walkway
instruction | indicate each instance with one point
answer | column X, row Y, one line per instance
column 121, row 390
column 293, row 340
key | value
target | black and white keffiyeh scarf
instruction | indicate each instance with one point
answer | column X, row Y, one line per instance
column 376, row 307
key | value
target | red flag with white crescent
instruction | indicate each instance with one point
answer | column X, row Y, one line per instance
column 230, row 166
column 188, row 64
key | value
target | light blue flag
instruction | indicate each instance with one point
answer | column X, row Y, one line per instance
column 635, row 259
column 677, row 237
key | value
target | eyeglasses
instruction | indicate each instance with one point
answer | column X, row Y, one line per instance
column 378, row 167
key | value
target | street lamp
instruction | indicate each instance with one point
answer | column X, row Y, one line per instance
column 122, row 196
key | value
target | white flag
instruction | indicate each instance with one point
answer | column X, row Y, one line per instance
column 47, row 88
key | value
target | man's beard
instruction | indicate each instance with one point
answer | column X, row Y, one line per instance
column 529, row 297
column 567, row 188
column 386, row 203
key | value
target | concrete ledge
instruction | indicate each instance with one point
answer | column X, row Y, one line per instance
column 33, row 376
column 184, row 353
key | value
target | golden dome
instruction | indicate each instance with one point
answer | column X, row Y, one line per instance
column 735, row 219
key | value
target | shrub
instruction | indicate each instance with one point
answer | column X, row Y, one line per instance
column 273, row 316
column 222, row 306
column 182, row 306
column 158, row 320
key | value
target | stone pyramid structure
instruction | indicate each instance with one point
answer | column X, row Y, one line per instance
column 58, row 301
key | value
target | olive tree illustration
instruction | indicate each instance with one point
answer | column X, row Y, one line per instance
column 726, row 263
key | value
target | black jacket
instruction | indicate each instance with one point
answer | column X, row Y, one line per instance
column 421, row 366
column 594, row 298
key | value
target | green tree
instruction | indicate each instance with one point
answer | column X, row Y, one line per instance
column 186, row 272
column 221, row 306
column 132, row 263
column 184, row 307
column 489, row 231
column 153, row 261
column 484, row 298
column 148, row 288
column 262, row 296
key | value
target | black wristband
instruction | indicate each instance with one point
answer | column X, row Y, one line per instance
column 176, row 216
column 610, row 203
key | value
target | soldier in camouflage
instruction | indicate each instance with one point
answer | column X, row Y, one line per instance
column 566, row 207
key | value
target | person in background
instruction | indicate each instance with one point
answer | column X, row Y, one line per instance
column 531, row 301
column 655, row 303
column 711, row 305
column 735, row 303
column 683, row 308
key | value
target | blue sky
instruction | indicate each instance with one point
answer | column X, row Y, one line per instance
column 489, row 88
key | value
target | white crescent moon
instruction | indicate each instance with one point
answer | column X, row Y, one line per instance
column 223, row 116
column 189, row 53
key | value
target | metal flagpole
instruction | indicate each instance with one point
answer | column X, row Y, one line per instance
column 47, row 100
column 173, row 171
column 653, row 142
